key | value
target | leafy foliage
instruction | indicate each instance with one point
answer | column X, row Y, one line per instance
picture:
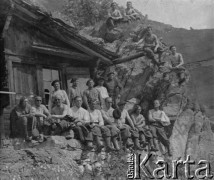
column 86, row 12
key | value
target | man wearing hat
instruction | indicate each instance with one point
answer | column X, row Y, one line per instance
column 91, row 94
column 114, row 16
column 113, row 86
column 126, row 118
column 102, row 90
column 74, row 91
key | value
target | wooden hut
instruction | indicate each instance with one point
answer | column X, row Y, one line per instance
column 38, row 49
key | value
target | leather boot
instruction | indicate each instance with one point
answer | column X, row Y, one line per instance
column 169, row 151
column 116, row 144
column 100, row 145
column 137, row 144
column 90, row 145
column 26, row 133
column 129, row 143
column 108, row 144
column 154, row 144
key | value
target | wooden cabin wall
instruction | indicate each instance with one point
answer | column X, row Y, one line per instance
column 25, row 67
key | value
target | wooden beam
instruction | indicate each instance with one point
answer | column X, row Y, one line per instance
column 57, row 51
column 128, row 58
column 6, row 92
column 8, row 20
column 54, row 33
column 83, row 48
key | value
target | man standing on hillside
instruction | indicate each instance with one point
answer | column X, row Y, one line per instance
column 151, row 45
column 114, row 87
column 74, row 91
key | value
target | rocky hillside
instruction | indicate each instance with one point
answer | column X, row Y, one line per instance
column 181, row 97
column 195, row 45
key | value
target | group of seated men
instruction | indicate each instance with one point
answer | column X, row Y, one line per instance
column 115, row 17
column 93, row 116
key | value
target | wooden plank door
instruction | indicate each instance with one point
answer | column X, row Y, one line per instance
column 25, row 80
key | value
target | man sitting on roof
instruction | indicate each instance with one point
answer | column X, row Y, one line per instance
column 151, row 45
column 130, row 12
column 114, row 16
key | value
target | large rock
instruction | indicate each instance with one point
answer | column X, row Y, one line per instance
column 113, row 35
column 178, row 139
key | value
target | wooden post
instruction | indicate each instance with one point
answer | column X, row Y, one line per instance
column 1, row 127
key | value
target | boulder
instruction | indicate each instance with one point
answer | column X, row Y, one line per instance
column 57, row 141
column 178, row 139
column 113, row 35
column 74, row 144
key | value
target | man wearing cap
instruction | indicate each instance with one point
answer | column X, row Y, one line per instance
column 130, row 12
column 114, row 16
column 113, row 86
column 74, row 91
column 91, row 94
column 102, row 90
column 81, row 117
column 109, row 121
column 57, row 91
column 58, row 114
column 41, row 113
column 125, row 117
column 151, row 45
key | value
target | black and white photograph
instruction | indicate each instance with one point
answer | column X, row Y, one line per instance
column 106, row 89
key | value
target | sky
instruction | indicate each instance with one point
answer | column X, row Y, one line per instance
column 198, row 14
